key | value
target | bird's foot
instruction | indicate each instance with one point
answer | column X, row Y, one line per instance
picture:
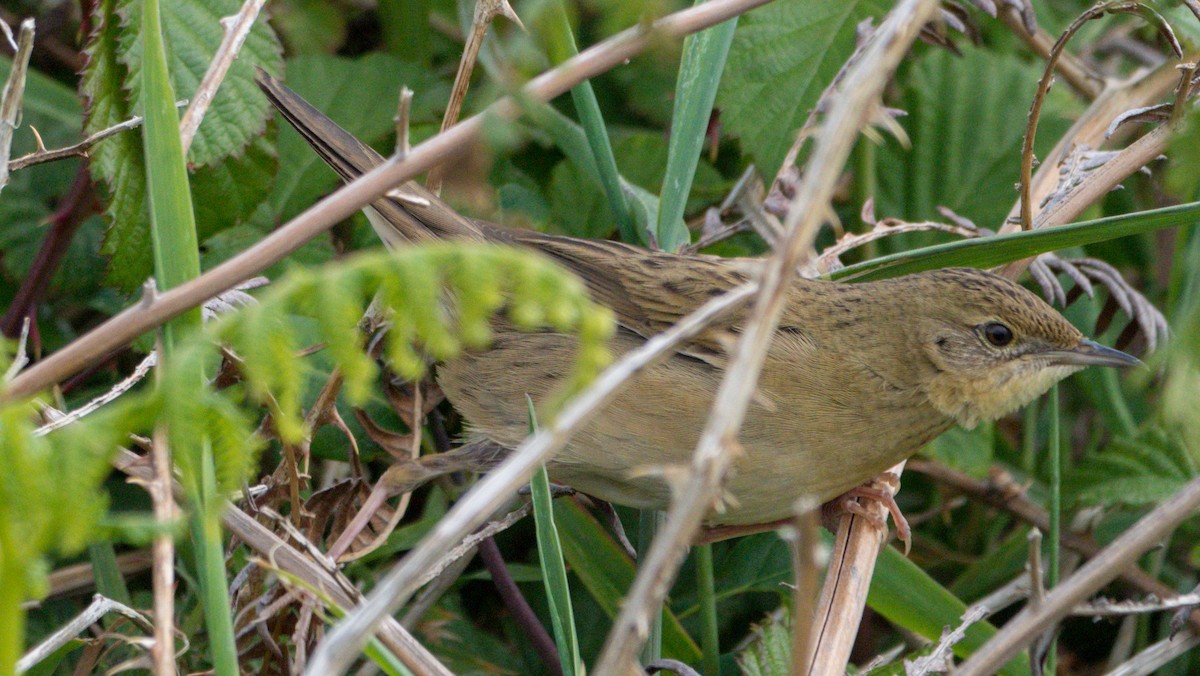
column 881, row 489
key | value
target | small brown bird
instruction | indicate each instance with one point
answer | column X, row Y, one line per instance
column 858, row 376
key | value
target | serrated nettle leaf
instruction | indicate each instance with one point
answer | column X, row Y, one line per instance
column 228, row 193
column 117, row 164
column 783, row 56
column 966, row 122
column 770, row 651
column 111, row 86
column 192, row 33
column 970, row 451
column 1138, row 471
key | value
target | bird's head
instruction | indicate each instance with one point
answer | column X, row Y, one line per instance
column 992, row 346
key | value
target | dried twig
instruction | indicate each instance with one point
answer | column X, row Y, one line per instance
column 139, row 319
column 495, row 489
column 99, row 607
column 60, row 420
column 1149, row 660
column 941, row 658
column 1039, row 98
column 805, row 544
column 13, row 94
column 485, row 12
column 851, row 109
column 163, row 579
column 1109, row 608
column 237, row 27
column 42, row 155
column 844, row 596
column 1003, row 494
column 1078, row 75
column 1122, row 553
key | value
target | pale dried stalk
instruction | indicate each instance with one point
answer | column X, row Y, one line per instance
column 1122, row 553
column 847, row 581
column 237, row 27
column 13, row 94
column 306, row 568
column 99, row 607
column 806, row 544
column 138, row 319
column 343, row 644
column 851, row 110
column 162, row 653
column 1149, row 660
column 1077, row 75
column 485, row 12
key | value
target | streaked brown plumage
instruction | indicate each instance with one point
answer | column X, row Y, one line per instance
column 857, row 378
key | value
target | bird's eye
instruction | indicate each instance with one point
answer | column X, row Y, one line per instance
column 997, row 334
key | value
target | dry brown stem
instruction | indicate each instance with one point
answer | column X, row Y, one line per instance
column 13, row 94
column 162, row 653
column 495, row 489
column 142, row 317
column 806, row 543
column 844, row 596
column 237, row 27
column 850, row 111
column 485, row 12
column 1078, row 76
column 1121, row 554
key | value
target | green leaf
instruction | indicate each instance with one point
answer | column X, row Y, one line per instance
column 908, row 597
column 116, row 163
column 704, row 56
column 969, row 451
column 1139, row 471
column 112, row 87
column 770, row 652
column 192, row 33
column 315, row 26
column 607, row 573
column 783, row 56
column 966, row 122
column 227, row 194
column 31, row 195
column 987, row 252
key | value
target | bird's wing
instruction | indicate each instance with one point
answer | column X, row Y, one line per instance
column 649, row 291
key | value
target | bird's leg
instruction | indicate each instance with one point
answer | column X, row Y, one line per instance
column 881, row 489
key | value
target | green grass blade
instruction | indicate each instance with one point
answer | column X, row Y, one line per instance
column 991, row 251
column 554, row 572
column 173, row 224
column 648, row 521
column 588, row 110
column 607, row 573
column 176, row 260
column 908, row 597
column 709, row 637
column 700, row 71
column 107, row 572
column 1055, row 459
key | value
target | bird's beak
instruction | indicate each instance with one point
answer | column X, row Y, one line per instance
column 1091, row 353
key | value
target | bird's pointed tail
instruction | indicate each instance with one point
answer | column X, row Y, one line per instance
column 407, row 213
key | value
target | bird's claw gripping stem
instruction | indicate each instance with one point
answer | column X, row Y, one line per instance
column 881, row 489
